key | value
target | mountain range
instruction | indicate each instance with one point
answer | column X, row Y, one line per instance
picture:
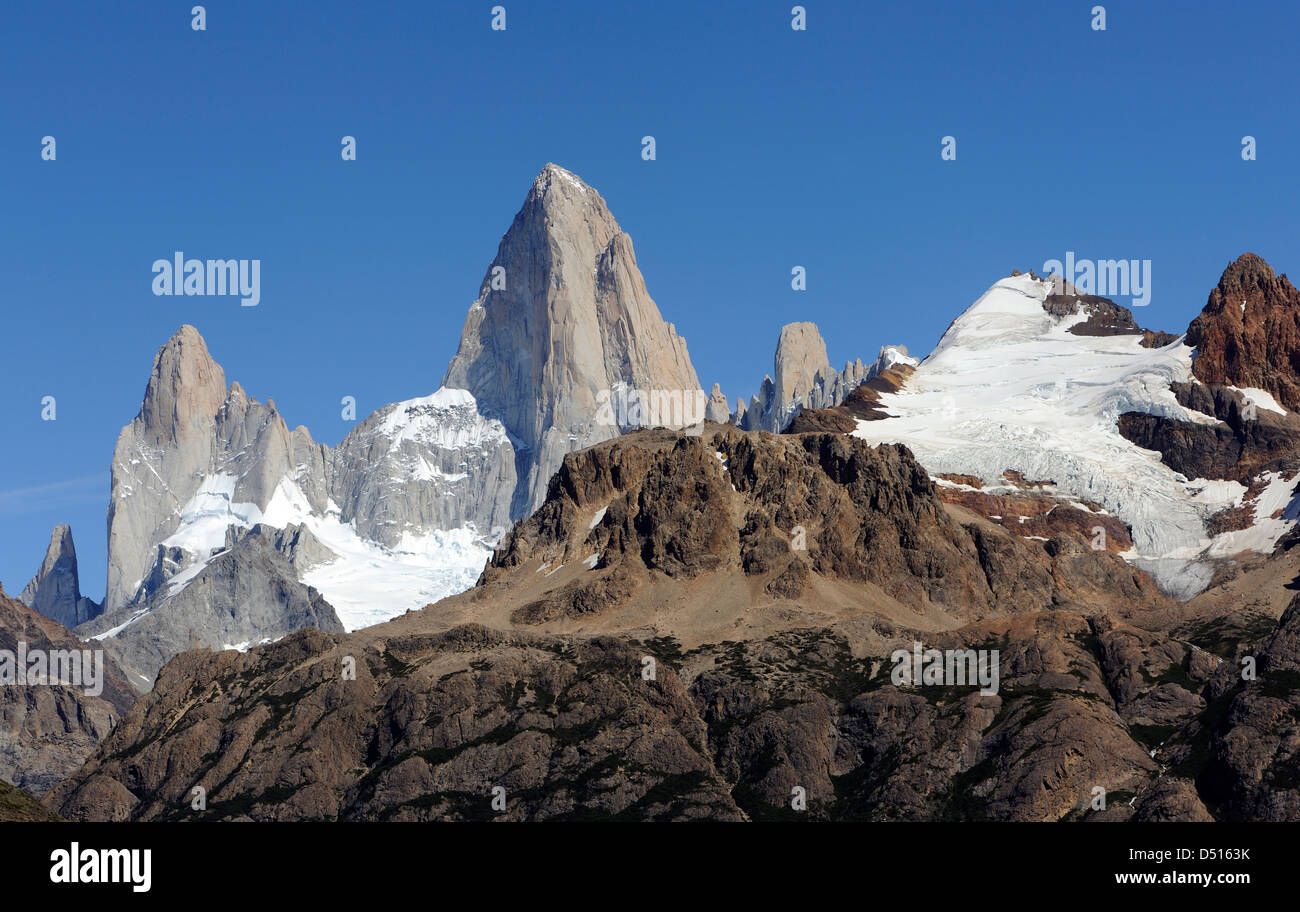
column 615, row 616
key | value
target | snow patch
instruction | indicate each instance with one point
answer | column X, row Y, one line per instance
column 366, row 583
column 114, row 631
column 448, row 419
column 206, row 515
column 1262, row 399
column 890, row 356
column 248, row 644
column 369, row 584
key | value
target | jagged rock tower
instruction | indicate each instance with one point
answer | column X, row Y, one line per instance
column 55, row 590
column 573, row 319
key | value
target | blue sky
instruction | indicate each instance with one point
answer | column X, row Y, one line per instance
column 775, row 148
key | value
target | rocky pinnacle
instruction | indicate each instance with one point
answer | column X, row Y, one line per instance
column 185, row 391
column 804, row 379
column 563, row 316
column 55, row 590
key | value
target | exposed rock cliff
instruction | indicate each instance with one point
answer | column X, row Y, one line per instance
column 160, row 459
column 806, row 380
column 1248, row 335
column 424, row 464
column 55, row 590
column 245, row 594
column 770, row 645
column 48, row 729
column 564, row 318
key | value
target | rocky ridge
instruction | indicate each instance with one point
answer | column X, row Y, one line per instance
column 768, row 579
column 48, row 730
column 423, row 487
column 1248, row 334
column 247, row 593
column 534, row 682
column 805, row 379
column 563, row 319
column 55, row 590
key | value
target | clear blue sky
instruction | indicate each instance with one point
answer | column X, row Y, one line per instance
column 775, row 148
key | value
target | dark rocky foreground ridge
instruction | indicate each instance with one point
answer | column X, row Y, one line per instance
column 16, row 806
column 47, row 731
column 771, row 669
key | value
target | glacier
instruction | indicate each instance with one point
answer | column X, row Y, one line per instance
column 1008, row 387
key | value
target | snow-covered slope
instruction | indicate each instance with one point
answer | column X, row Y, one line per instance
column 432, row 463
column 426, row 485
column 367, row 582
column 1009, row 388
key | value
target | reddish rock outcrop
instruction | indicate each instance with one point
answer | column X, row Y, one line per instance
column 1249, row 332
column 1104, row 318
column 1039, row 516
column 1243, row 442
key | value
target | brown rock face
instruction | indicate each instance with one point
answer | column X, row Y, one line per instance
column 426, row 731
column 1105, row 317
column 970, row 481
column 798, row 710
column 1252, row 732
column 862, row 404
column 821, row 554
column 1236, row 448
column 1249, row 332
column 48, row 730
column 572, row 729
column 695, row 507
column 1032, row 515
